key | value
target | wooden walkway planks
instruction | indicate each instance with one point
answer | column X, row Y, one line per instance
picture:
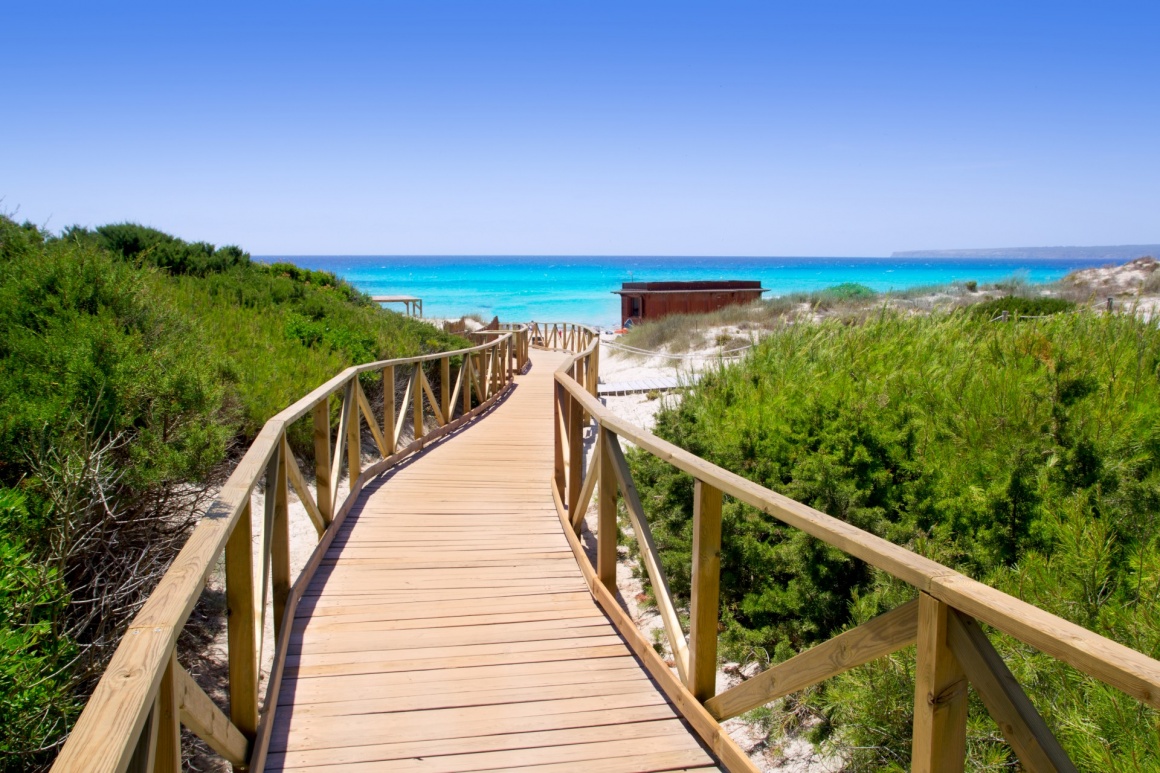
column 450, row 629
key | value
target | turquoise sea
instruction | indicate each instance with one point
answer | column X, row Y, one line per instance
column 579, row 289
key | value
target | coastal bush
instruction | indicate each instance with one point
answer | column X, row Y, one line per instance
column 845, row 292
column 1024, row 307
column 131, row 363
column 1026, row 456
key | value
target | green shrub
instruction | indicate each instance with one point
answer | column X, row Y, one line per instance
column 35, row 680
column 847, row 291
column 1027, row 456
column 130, row 362
column 1024, row 307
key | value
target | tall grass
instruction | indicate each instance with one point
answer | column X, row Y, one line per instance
column 1027, row 456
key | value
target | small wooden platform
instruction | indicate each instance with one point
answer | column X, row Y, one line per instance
column 658, row 384
column 413, row 304
column 450, row 628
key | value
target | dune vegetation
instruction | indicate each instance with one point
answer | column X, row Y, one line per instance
column 132, row 365
column 1026, row 455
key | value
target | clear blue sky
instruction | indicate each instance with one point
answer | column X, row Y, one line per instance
column 818, row 128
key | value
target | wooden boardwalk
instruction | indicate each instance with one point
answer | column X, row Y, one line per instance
column 449, row 627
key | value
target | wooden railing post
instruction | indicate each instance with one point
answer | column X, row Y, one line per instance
column 465, row 378
column 445, row 388
column 167, row 757
column 558, row 419
column 146, row 750
column 606, row 517
column 575, row 451
column 276, row 489
column 353, row 431
column 706, row 591
column 241, row 629
column 940, row 695
column 417, row 401
column 324, row 482
column 389, row 407
column 493, row 382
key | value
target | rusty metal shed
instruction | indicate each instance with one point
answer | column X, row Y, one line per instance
column 652, row 300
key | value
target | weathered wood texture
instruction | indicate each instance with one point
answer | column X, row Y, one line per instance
column 449, row 621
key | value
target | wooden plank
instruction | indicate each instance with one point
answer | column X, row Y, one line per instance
column 323, row 482
column 353, row 430
column 372, row 423
column 586, row 491
column 417, row 381
column 606, row 526
column 167, row 754
column 873, row 639
column 241, row 629
column 403, row 410
column 339, row 450
column 105, row 736
column 304, row 494
column 699, row 719
column 445, row 402
column 208, row 722
column 1022, row 726
column 431, row 399
column 410, row 750
column 276, row 490
column 940, row 695
column 145, row 750
column 575, row 453
column 582, row 756
column 706, row 591
column 649, row 556
column 389, row 409
column 1111, row 662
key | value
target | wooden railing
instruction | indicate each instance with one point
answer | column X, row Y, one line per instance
column 134, row 717
column 953, row 651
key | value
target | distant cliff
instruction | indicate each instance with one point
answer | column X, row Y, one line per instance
column 1120, row 253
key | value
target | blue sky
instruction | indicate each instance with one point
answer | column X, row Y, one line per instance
column 820, row 128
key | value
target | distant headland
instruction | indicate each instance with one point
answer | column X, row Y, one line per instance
column 1120, row 253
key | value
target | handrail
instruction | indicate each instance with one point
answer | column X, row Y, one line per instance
column 953, row 651
column 134, row 716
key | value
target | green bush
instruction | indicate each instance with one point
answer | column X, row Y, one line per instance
column 38, row 703
column 130, row 363
column 1024, row 307
column 847, row 291
column 1027, row 456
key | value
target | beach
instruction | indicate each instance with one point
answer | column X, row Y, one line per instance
column 579, row 289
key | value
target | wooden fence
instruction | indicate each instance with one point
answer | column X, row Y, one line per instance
column 953, row 651
column 134, row 717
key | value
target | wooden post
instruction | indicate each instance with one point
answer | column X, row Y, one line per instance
column 606, row 518
column 1111, row 303
column 465, row 377
column 417, row 402
column 940, row 695
column 558, row 417
column 595, row 371
column 575, row 451
column 389, row 407
column 276, row 489
column 353, row 432
column 241, row 630
column 493, row 387
column 167, row 756
column 324, row 483
column 706, row 591
column 146, row 750
column 445, row 388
